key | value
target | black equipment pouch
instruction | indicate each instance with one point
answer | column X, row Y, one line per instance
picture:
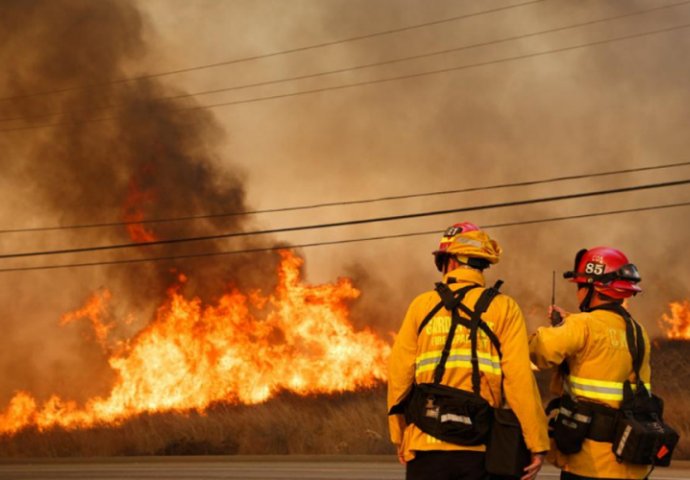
column 507, row 453
column 602, row 426
column 641, row 435
column 450, row 414
column 571, row 425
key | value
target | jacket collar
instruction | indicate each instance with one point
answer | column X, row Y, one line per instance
column 465, row 275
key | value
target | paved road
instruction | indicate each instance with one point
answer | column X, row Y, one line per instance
column 236, row 468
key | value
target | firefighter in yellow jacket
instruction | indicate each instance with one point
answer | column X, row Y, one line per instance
column 504, row 376
column 591, row 350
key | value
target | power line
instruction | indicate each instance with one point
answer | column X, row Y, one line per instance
column 369, row 65
column 276, row 53
column 347, row 202
column 349, row 222
column 442, row 70
column 380, row 80
column 334, row 242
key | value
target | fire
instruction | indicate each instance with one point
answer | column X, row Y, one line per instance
column 133, row 214
column 94, row 310
column 677, row 325
column 243, row 349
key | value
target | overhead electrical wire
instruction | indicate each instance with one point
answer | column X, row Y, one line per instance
column 334, row 242
column 348, row 222
column 345, row 202
column 428, row 54
column 442, row 70
column 379, row 80
column 369, row 65
column 276, row 53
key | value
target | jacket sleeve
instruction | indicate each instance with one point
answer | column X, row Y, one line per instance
column 401, row 370
column 520, row 386
column 550, row 346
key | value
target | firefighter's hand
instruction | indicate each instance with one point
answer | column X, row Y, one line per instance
column 533, row 468
column 556, row 314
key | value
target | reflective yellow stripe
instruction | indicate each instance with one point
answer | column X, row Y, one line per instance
column 459, row 358
column 598, row 389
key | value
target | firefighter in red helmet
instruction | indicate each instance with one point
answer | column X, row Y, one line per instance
column 599, row 350
column 605, row 271
column 460, row 356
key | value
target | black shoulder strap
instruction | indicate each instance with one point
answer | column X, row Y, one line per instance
column 473, row 324
column 450, row 300
column 448, row 297
column 480, row 307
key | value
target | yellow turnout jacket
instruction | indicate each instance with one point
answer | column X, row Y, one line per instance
column 414, row 358
column 595, row 348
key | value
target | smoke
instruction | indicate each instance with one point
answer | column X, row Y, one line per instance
column 120, row 151
column 603, row 107
column 116, row 152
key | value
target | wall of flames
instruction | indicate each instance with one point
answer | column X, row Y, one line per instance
column 245, row 348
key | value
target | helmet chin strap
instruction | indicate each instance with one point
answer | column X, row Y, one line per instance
column 585, row 304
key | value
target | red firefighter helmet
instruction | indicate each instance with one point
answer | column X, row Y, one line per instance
column 470, row 245
column 607, row 270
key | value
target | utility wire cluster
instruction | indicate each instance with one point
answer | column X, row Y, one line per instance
column 342, row 86
column 335, row 242
column 362, row 221
column 124, row 82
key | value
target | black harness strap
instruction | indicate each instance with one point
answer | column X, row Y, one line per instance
column 452, row 302
column 480, row 307
column 459, row 294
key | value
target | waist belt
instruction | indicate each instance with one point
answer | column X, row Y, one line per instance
column 598, row 421
column 603, row 425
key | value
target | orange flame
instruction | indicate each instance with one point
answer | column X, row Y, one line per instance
column 677, row 325
column 133, row 213
column 94, row 311
column 191, row 355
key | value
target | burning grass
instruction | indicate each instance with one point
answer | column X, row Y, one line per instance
column 244, row 348
column 349, row 423
column 346, row 423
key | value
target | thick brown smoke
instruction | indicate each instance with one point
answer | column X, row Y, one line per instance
column 118, row 153
column 598, row 108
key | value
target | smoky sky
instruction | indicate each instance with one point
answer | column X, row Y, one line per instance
column 115, row 153
column 119, row 149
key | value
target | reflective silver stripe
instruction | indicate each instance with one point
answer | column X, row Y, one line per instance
column 460, row 358
column 597, row 388
column 582, row 418
column 623, row 440
column 451, row 417
column 428, row 361
column 565, row 412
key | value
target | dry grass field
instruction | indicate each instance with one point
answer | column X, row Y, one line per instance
column 671, row 381
column 350, row 423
